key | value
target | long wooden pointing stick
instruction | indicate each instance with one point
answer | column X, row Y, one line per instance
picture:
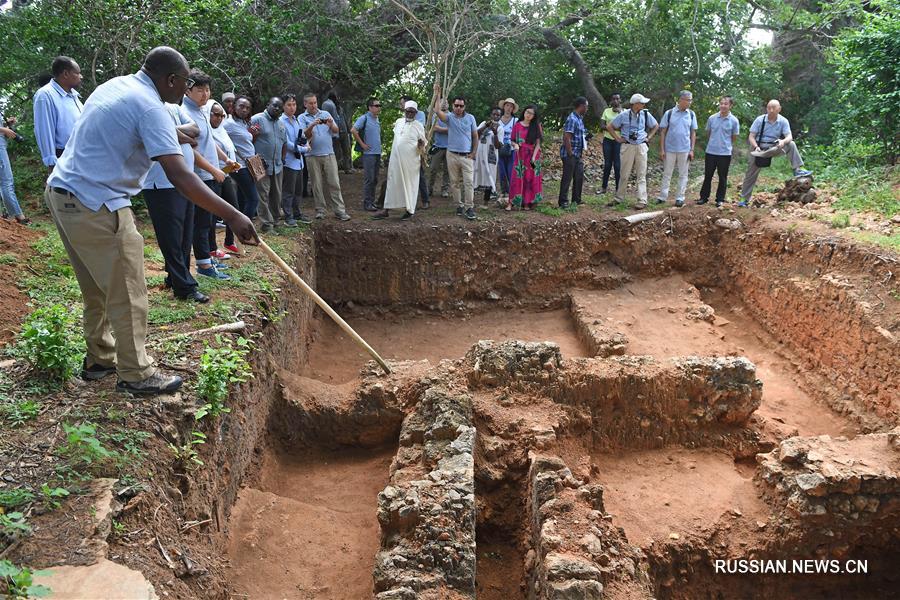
column 292, row 275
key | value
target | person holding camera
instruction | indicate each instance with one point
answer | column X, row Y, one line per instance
column 292, row 175
column 570, row 152
column 7, row 185
column 318, row 126
column 366, row 131
column 770, row 135
column 462, row 142
column 271, row 144
column 633, row 129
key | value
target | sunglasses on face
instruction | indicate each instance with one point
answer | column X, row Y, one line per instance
column 459, row 106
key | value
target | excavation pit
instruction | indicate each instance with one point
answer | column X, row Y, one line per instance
column 602, row 429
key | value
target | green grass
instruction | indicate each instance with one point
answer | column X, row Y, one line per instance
column 840, row 221
column 891, row 242
column 166, row 310
column 8, row 259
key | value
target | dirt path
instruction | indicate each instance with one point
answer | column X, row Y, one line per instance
column 334, row 358
column 311, row 532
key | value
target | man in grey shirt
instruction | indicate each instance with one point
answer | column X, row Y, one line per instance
column 340, row 140
column 270, row 144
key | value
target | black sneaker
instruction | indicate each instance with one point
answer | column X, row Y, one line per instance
column 470, row 214
column 381, row 214
column 679, row 203
column 195, row 296
column 155, row 384
column 426, row 205
column 564, row 205
column 659, row 201
column 406, row 216
column 95, row 372
column 304, row 219
column 459, row 211
column 701, row 201
column 720, row 203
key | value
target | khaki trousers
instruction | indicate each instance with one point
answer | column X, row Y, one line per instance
column 633, row 155
column 269, row 188
column 462, row 173
column 323, row 171
column 752, row 174
column 672, row 160
column 107, row 255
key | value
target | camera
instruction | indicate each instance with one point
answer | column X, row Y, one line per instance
column 632, row 135
column 19, row 137
column 588, row 136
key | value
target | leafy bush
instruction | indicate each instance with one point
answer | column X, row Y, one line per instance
column 219, row 367
column 14, row 498
column 83, row 447
column 50, row 342
column 19, row 582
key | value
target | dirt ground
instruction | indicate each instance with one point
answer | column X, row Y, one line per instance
column 15, row 248
column 310, row 532
column 335, row 358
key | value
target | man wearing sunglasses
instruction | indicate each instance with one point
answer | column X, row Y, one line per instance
column 123, row 129
column 462, row 141
column 367, row 133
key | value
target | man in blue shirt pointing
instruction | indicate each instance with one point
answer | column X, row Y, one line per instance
column 124, row 128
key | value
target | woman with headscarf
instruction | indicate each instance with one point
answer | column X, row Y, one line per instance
column 526, row 185
column 404, row 166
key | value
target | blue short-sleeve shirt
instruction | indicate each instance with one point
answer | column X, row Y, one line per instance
column 370, row 131
column 206, row 144
column 459, row 136
column 772, row 132
column 240, row 135
column 678, row 125
column 320, row 143
column 124, row 126
column 721, row 131
column 627, row 122
column 440, row 138
column 156, row 177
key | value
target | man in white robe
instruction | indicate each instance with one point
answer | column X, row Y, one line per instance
column 404, row 165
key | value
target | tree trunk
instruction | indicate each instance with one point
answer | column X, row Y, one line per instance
column 556, row 41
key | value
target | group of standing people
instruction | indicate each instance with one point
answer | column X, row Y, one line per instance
column 627, row 135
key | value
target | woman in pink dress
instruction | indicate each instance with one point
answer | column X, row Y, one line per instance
column 526, row 185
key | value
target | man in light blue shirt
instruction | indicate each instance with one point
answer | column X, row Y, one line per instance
column 770, row 136
column 366, row 131
column 56, row 108
column 677, row 136
column 438, row 164
column 462, row 142
column 271, row 145
column 292, row 174
column 633, row 128
column 722, row 129
column 318, row 126
column 123, row 129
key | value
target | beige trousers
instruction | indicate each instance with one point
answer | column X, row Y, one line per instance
column 633, row 156
column 323, row 172
column 462, row 174
column 107, row 255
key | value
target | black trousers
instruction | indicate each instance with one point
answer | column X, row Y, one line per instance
column 715, row 163
column 612, row 159
column 203, row 221
column 232, row 196
column 573, row 174
column 291, row 192
column 173, row 221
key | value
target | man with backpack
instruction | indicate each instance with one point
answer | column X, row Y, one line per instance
column 634, row 129
column 770, row 135
column 677, row 136
column 367, row 133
